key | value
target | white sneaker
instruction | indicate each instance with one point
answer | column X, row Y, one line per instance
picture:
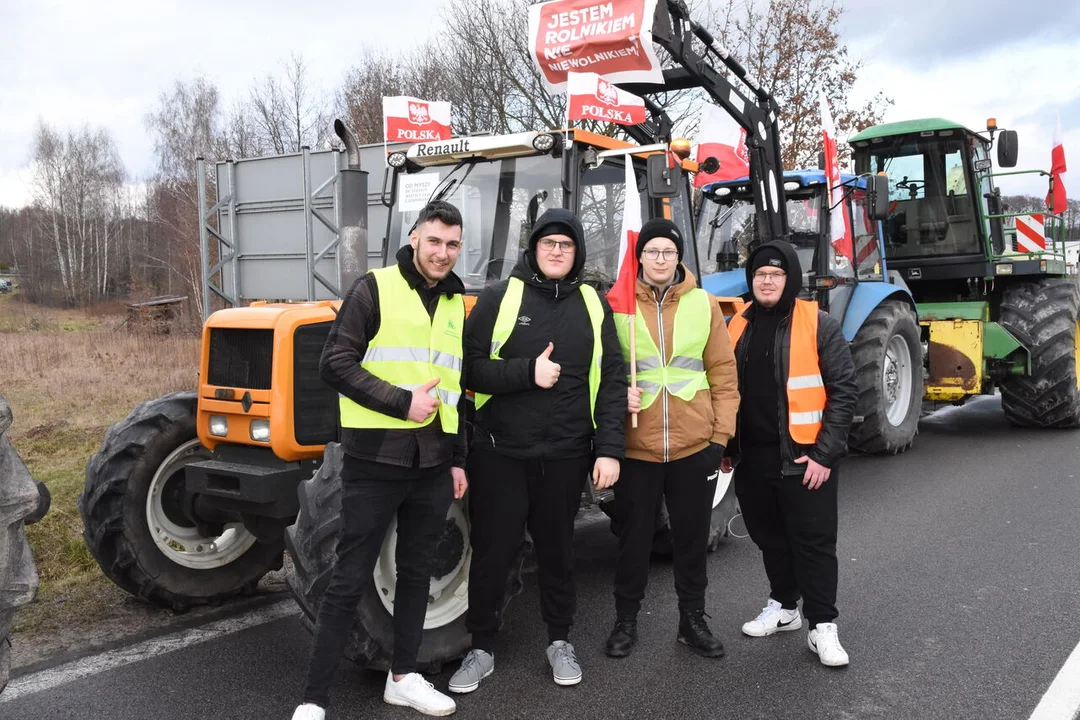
column 416, row 692
column 824, row 641
column 307, row 711
column 773, row 619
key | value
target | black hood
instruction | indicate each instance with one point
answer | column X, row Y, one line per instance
column 791, row 266
column 555, row 220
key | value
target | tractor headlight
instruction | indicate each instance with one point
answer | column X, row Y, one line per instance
column 219, row 425
column 396, row 160
column 260, row 430
column 544, row 142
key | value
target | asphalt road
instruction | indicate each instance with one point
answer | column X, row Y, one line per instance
column 959, row 598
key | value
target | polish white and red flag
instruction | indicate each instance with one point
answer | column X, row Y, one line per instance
column 839, row 221
column 1056, row 202
column 719, row 136
column 591, row 97
column 623, row 295
column 409, row 119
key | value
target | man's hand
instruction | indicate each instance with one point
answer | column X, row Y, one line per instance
column 725, row 465
column 815, row 475
column 633, row 400
column 461, row 482
column 423, row 405
column 605, row 472
column 546, row 373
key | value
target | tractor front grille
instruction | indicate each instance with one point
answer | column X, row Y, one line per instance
column 315, row 404
column 241, row 358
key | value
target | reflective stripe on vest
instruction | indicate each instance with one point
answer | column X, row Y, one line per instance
column 506, row 321
column 805, row 388
column 409, row 350
column 684, row 374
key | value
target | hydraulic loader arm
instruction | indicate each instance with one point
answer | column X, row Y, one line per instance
column 675, row 31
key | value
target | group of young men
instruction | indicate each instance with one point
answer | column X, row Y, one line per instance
column 772, row 395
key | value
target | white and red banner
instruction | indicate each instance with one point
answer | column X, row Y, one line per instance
column 719, row 136
column 409, row 119
column 839, row 220
column 591, row 97
column 1056, row 201
column 623, row 295
column 1030, row 233
column 612, row 38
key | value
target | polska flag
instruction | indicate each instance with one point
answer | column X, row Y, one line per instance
column 719, row 136
column 591, row 97
column 1056, row 202
column 839, row 222
column 409, row 119
column 623, row 295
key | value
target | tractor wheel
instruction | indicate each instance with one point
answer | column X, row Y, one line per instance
column 1043, row 317
column 889, row 372
column 133, row 514
column 312, row 543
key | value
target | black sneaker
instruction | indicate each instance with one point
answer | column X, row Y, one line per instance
column 622, row 638
column 693, row 631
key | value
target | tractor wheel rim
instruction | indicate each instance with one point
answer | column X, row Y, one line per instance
column 448, row 595
column 182, row 544
column 896, row 380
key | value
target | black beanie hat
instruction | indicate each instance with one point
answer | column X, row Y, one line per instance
column 659, row 227
column 558, row 228
column 769, row 256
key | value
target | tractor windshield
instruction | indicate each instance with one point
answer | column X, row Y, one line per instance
column 932, row 212
column 731, row 218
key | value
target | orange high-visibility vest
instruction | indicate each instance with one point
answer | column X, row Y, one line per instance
column 805, row 388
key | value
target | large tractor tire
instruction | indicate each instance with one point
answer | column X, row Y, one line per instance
column 136, row 527
column 887, row 352
column 312, row 542
column 1043, row 317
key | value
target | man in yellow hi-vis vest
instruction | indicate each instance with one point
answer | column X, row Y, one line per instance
column 797, row 400
column 394, row 354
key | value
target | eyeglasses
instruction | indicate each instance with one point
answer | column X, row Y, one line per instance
column 653, row 254
column 564, row 245
column 770, row 276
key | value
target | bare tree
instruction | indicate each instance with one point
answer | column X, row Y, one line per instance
column 288, row 112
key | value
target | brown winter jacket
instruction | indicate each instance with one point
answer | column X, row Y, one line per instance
column 710, row 416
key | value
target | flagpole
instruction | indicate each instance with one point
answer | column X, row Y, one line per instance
column 633, row 362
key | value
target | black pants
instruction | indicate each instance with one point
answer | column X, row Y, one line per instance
column 506, row 495
column 795, row 529
column 368, row 504
column 688, row 485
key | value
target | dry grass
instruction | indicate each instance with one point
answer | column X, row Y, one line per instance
column 68, row 375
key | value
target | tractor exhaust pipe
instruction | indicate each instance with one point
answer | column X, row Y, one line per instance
column 352, row 149
column 352, row 184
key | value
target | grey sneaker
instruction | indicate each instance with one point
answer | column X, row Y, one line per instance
column 476, row 666
column 565, row 669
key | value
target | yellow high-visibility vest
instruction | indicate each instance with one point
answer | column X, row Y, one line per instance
column 411, row 349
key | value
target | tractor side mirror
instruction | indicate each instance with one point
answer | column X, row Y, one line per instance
column 878, row 205
column 1007, row 148
column 663, row 180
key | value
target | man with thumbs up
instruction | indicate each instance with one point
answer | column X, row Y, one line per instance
column 394, row 353
column 545, row 364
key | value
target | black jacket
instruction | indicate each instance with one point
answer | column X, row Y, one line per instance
column 522, row 420
column 837, row 373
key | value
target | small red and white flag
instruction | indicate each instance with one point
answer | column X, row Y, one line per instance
column 839, row 222
column 719, row 136
column 591, row 97
column 1056, row 202
column 409, row 119
column 623, row 295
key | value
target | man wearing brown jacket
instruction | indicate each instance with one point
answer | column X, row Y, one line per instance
column 686, row 399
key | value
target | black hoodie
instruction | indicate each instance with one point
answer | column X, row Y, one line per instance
column 521, row 419
column 762, row 358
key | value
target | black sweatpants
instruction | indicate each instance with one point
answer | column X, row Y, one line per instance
column 506, row 495
column 795, row 529
column 368, row 504
column 688, row 485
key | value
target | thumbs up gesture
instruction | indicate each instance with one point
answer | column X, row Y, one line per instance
column 423, row 405
column 546, row 373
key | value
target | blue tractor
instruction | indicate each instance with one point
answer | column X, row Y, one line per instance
column 877, row 312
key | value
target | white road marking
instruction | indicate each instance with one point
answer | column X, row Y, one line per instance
column 1062, row 698
column 94, row 664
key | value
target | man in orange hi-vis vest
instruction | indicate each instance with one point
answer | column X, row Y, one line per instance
column 797, row 388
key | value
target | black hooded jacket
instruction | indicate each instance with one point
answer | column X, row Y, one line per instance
column 521, row 419
column 762, row 357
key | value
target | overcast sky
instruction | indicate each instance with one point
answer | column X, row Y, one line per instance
column 104, row 63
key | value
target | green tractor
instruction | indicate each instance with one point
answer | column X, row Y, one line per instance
column 996, row 313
